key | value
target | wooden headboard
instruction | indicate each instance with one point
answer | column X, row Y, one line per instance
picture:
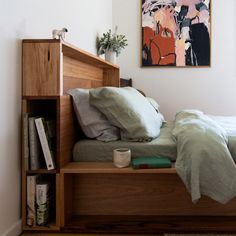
column 126, row 82
column 80, row 70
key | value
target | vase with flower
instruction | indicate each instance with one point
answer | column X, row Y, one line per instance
column 111, row 45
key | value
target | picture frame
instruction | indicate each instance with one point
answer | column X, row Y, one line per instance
column 176, row 33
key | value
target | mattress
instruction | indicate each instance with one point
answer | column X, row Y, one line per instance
column 98, row 151
column 94, row 150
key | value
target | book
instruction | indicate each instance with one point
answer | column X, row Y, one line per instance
column 34, row 145
column 42, row 203
column 31, row 197
column 146, row 162
column 45, row 141
column 25, row 137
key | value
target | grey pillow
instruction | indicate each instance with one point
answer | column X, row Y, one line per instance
column 93, row 123
column 129, row 110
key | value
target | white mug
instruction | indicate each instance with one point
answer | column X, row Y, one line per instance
column 121, row 157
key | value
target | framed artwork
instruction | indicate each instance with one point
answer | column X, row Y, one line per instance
column 176, row 33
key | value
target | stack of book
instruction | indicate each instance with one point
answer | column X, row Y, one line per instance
column 39, row 201
column 38, row 142
column 38, row 153
column 42, row 203
column 148, row 162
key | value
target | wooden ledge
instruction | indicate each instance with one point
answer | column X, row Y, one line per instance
column 86, row 57
column 151, row 224
column 109, row 168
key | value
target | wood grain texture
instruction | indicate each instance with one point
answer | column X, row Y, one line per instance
column 51, row 227
column 109, row 168
column 140, row 194
column 86, row 57
column 68, row 130
column 78, row 74
column 41, row 69
column 89, row 234
column 50, row 68
column 66, row 191
column 152, row 224
column 111, row 77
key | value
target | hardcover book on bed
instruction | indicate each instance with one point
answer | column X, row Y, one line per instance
column 150, row 162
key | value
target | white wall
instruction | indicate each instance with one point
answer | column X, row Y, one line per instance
column 33, row 19
column 210, row 89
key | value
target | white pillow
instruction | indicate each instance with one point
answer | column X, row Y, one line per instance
column 93, row 123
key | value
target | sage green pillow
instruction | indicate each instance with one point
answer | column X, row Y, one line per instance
column 129, row 110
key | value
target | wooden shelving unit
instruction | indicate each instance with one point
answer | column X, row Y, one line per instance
column 108, row 168
column 49, row 69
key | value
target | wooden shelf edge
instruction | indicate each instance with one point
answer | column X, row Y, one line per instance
column 71, row 50
column 41, row 171
column 150, row 224
column 41, row 40
column 36, row 97
column 109, row 168
column 41, row 228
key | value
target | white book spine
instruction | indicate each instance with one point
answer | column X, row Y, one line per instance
column 44, row 143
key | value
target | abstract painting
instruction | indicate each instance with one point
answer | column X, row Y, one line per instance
column 176, row 33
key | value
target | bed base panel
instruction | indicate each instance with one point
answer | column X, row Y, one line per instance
column 150, row 224
column 139, row 203
column 124, row 203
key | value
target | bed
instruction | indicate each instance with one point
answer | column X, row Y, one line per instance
column 97, row 197
column 150, row 200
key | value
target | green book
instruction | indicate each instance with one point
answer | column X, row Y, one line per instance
column 148, row 162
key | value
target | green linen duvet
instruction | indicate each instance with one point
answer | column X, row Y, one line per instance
column 204, row 162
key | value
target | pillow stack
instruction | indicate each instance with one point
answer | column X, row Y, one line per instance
column 93, row 123
column 104, row 111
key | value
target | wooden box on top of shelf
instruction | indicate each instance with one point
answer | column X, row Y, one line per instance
column 51, row 67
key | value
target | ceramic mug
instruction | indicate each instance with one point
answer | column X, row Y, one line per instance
column 121, row 157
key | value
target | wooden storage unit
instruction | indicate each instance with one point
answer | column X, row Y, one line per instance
column 41, row 106
column 49, row 69
column 97, row 197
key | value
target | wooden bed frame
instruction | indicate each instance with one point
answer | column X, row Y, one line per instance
column 97, row 197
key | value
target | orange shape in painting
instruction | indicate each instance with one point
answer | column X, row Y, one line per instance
column 162, row 46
